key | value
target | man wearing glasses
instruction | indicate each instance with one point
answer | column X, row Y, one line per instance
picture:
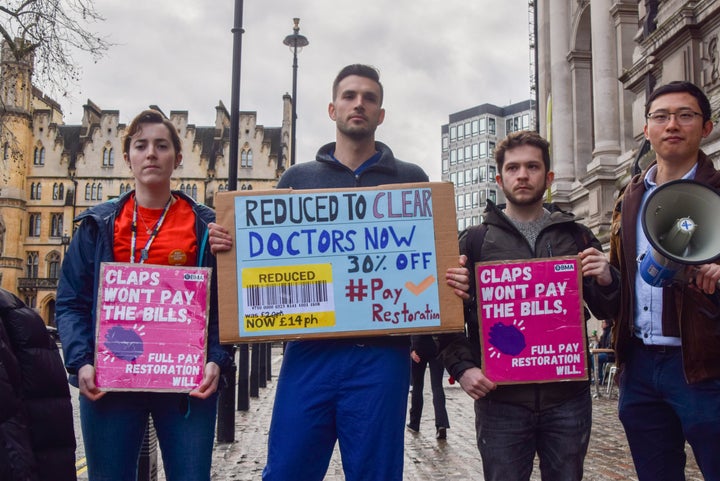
column 668, row 339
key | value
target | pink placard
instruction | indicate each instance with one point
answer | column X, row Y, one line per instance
column 151, row 327
column 532, row 326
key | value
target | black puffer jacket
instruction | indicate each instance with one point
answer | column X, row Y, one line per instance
column 37, row 438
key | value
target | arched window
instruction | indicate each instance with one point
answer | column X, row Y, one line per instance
column 36, row 156
column 243, row 158
column 31, row 301
column 99, row 192
column 87, row 191
column 32, row 264
column 249, row 158
column 194, row 192
column 122, row 189
column 93, row 195
column 32, row 191
column 61, row 191
column 182, row 188
column 42, row 156
column 34, row 225
column 108, row 157
column 55, row 191
column 53, row 263
column 56, row 225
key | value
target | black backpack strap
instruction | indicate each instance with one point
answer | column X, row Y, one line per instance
column 478, row 237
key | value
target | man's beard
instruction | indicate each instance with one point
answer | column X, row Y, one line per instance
column 360, row 133
column 511, row 199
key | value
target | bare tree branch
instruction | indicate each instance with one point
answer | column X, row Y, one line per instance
column 52, row 31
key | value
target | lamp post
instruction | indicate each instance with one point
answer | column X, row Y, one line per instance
column 294, row 41
column 71, row 173
column 65, row 240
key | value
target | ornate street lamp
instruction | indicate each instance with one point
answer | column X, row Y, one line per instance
column 65, row 241
column 295, row 42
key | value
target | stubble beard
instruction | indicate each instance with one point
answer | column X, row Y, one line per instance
column 512, row 199
column 356, row 133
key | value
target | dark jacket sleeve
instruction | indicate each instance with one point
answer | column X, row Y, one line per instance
column 75, row 298
column 217, row 353
column 603, row 301
column 457, row 351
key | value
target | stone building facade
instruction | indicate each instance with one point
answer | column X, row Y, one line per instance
column 597, row 62
column 50, row 172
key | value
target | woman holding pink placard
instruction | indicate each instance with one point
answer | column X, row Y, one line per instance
column 152, row 225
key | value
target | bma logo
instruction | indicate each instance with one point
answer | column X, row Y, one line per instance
column 564, row 267
column 194, row 277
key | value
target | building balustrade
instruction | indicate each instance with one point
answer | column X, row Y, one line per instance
column 26, row 284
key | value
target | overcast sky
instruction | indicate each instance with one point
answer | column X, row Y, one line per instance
column 435, row 58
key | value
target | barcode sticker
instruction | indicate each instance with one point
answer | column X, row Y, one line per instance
column 282, row 297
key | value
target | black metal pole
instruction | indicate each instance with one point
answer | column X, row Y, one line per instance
column 225, row 429
column 268, row 355
column 294, row 107
column 262, row 371
column 147, row 462
column 237, row 31
column 226, row 417
column 254, row 370
column 294, row 41
column 243, row 390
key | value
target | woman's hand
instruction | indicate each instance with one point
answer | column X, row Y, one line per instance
column 219, row 237
column 209, row 383
column 86, row 383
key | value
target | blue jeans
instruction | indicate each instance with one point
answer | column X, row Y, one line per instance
column 113, row 428
column 509, row 435
column 416, row 400
column 659, row 411
column 332, row 391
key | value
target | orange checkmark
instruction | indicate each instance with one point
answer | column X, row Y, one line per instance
column 417, row 289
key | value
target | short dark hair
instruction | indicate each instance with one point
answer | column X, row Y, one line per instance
column 518, row 139
column 360, row 70
column 151, row 116
column 679, row 86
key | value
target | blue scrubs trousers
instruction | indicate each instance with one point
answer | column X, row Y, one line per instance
column 332, row 391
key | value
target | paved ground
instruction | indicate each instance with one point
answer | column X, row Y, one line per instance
column 426, row 459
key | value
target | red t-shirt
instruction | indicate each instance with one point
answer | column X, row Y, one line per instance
column 175, row 243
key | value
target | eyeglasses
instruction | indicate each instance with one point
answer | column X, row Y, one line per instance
column 683, row 117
